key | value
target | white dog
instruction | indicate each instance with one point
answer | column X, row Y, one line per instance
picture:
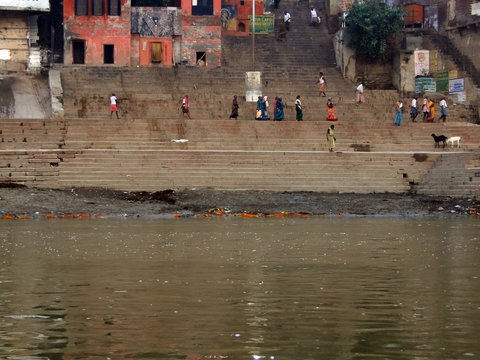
column 454, row 139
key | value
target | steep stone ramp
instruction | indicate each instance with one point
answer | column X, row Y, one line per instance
column 23, row 96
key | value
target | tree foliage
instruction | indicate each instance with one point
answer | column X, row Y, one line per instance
column 369, row 25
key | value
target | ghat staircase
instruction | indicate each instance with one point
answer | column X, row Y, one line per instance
column 146, row 149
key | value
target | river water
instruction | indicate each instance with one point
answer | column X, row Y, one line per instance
column 234, row 288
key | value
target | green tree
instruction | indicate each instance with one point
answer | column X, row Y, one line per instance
column 369, row 25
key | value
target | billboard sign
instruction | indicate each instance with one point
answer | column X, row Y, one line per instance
column 422, row 62
column 425, row 85
column 264, row 24
column 456, row 86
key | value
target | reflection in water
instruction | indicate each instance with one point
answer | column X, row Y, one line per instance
column 316, row 288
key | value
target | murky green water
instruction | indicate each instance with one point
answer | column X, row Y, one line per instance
column 230, row 288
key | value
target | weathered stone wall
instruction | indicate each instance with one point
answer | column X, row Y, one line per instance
column 14, row 37
column 468, row 42
column 204, row 35
column 377, row 75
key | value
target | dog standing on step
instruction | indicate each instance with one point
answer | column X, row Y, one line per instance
column 439, row 139
column 454, row 140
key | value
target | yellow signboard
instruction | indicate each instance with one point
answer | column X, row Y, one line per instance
column 264, row 24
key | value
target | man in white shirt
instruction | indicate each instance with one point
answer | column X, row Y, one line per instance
column 314, row 16
column 113, row 106
column 286, row 19
column 359, row 93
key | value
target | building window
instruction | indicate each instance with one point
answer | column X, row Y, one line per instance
column 114, row 7
column 81, row 7
column 202, row 7
column 108, row 51
column 97, row 7
column 201, row 58
column 78, row 51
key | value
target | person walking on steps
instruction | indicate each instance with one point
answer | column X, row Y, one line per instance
column 279, row 114
column 186, row 107
column 359, row 93
column 413, row 109
column 322, row 82
column 431, row 109
column 235, row 106
column 331, row 138
column 398, row 112
column 286, row 19
column 314, row 17
column 113, row 106
column 299, row 109
column 266, row 105
column 443, row 110
column 330, row 112
column 425, row 108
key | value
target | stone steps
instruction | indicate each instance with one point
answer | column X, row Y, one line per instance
column 225, row 170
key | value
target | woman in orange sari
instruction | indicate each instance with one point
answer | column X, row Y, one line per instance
column 431, row 111
column 330, row 113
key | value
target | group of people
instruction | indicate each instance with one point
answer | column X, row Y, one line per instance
column 262, row 109
column 427, row 109
column 287, row 19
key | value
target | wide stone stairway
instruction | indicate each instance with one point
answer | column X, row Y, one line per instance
column 152, row 147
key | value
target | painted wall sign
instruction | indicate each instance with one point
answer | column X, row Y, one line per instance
column 453, row 74
column 229, row 17
column 456, row 86
column 425, row 85
column 442, row 81
column 422, row 62
column 253, row 85
column 264, row 24
column 433, row 61
column 476, row 9
column 38, row 5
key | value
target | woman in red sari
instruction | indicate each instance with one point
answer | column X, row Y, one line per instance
column 330, row 113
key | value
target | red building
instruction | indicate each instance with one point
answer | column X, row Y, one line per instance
column 236, row 13
column 98, row 32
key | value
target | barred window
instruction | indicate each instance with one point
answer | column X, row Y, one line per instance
column 81, row 7
column 114, row 7
column 97, row 7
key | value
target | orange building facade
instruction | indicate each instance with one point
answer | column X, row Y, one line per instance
column 113, row 32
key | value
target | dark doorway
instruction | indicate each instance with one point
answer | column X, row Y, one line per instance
column 78, row 47
column 108, row 51
column 203, row 7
